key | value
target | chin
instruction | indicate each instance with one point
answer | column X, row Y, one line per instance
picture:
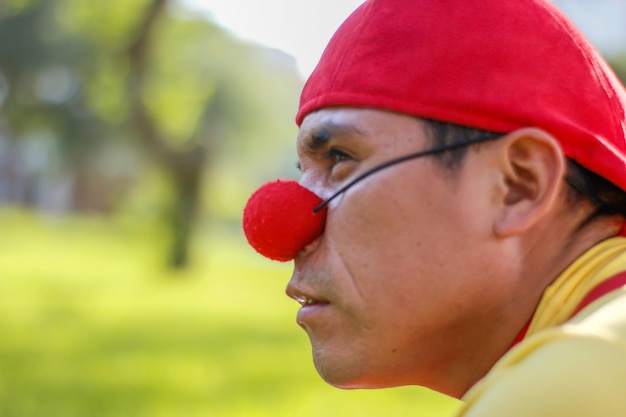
column 349, row 376
column 340, row 376
column 346, row 377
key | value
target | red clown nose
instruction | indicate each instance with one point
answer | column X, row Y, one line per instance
column 279, row 221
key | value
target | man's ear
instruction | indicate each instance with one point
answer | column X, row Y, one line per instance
column 532, row 166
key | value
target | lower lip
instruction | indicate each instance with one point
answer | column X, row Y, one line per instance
column 310, row 313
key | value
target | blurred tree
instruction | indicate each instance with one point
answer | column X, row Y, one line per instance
column 185, row 163
column 114, row 86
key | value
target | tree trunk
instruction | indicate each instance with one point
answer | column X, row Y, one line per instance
column 185, row 167
column 187, row 182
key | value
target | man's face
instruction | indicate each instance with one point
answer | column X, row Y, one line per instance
column 404, row 277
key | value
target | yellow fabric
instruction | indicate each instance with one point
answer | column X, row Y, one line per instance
column 565, row 367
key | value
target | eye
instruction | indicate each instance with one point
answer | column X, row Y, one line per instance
column 336, row 156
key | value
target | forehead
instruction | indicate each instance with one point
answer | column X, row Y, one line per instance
column 327, row 124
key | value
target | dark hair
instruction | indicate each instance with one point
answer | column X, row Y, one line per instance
column 445, row 134
column 607, row 198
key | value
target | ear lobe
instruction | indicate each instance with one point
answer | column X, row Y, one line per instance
column 532, row 165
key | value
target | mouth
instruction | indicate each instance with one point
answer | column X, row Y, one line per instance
column 314, row 308
column 312, row 312
column 306, row 301
column 303, row 296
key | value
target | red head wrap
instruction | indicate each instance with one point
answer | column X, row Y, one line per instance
column 496, row 65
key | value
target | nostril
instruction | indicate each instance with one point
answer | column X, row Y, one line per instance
column 279, row 221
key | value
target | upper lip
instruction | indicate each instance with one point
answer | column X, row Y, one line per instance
column 304, row 297
column 304, row 300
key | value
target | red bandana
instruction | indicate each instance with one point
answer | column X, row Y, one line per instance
column 496, row 65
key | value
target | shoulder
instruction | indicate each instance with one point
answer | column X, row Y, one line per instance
column 576, row 369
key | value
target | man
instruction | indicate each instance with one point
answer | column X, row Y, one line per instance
column 471, row 156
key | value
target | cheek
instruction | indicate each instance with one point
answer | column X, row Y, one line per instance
column 381, row 234
column 404, row 242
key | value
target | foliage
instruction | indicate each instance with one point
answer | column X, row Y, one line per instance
column 87, row 332
column 115, row 92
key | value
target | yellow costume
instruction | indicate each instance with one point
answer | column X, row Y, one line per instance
column 570, row 367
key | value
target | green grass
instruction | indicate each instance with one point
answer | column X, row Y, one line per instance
column 91, row 325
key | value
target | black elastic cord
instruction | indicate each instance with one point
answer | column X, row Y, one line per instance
column 404, row 158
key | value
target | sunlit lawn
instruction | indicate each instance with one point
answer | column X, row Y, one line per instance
column 91, row 325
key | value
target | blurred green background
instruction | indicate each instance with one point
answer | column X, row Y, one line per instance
column 92, row 325
column 131, row 134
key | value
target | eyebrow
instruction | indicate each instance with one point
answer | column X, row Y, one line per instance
column 320, row 136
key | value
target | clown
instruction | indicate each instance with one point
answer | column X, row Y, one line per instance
column 457, row 221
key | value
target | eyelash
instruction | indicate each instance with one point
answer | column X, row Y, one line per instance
column 333, row 154
column 336, row 156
